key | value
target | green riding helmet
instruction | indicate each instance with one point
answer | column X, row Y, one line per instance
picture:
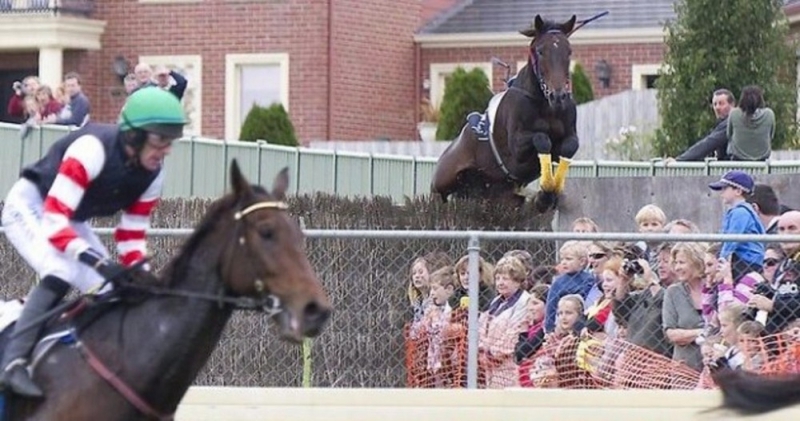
column 154, row 110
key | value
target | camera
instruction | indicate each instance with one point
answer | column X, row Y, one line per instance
column 764, row 289
column 632, row 267
column 17, row 86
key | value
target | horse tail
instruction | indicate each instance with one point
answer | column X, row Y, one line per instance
column 750, row 394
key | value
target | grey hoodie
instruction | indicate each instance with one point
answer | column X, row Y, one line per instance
column 750, row 138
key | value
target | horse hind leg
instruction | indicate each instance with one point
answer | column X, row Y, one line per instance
column 452, row 163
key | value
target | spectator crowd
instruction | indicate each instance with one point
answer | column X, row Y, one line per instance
column 645, row 315
column 34, row 103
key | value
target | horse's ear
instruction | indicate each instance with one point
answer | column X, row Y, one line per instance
column 569, row 25
column 535, row 28
column 240, row 185
column 281, row 184
column 538, row 23
column 530, row 32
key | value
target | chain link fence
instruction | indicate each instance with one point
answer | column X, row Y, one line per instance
column 586, row 311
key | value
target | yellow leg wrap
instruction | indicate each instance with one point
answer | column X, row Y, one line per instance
column 546, row 182
column 561, row 173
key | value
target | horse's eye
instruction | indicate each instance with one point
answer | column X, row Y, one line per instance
column 266, row 233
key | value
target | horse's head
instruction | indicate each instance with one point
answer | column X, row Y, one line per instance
column 267, row 258
column 549, row 58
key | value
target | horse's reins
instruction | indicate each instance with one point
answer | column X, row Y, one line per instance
column 268, row 303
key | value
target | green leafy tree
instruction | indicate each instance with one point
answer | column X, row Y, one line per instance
column 464, row 93
column 731, row 44
column 581, row 86
column 269, row 123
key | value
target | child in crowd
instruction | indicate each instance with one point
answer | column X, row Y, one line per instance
column 740, row 218
column 651, row 219
column 584, row 224
column 436, row 324
column 460, row 297
column 419, row 288
column 574, row 280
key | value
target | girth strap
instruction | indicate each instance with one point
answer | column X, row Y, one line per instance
column 119, row 385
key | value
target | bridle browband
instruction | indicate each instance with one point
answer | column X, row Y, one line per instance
column 266, row 302
column 269, row 204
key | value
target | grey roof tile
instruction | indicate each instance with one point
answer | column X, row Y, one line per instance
column 476, row 16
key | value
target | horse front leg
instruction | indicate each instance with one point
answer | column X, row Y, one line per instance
column 569, row 147
column 541, row 141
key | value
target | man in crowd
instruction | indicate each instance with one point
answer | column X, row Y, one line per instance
column 163, row 78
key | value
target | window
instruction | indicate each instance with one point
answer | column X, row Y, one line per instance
column 643, row 76
column 190, row 67
column 440, row 72
column 261, row 79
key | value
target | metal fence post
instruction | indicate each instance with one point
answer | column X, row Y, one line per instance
column 473, row 251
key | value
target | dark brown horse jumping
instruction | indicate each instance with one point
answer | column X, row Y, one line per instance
column 532, row 126
column 134, row 358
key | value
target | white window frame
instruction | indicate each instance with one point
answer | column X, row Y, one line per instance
column 194, row 83
column 439, row 71
column 640, row 71
column 232, row 85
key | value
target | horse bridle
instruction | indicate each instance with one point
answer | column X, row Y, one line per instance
column 533, row 61
column 266, row 302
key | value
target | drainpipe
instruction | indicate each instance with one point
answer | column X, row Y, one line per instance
column 417, row 84
column 329, row 117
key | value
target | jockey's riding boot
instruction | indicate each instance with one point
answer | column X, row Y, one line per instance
column 15, row 374
column 561, row 173
column 546, row 182
column 477, row 124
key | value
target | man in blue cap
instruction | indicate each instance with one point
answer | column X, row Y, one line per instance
column 740, row 218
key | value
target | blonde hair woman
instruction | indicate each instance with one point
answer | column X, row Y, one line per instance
column 683, row 303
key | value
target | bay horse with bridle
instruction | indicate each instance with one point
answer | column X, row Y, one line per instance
column 133, row 353
column 532, row 125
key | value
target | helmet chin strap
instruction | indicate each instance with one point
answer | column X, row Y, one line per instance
column 135, row 140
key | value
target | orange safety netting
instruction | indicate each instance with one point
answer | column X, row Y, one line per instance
column 436, row 358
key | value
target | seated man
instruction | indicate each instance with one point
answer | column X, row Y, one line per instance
column 716, row 142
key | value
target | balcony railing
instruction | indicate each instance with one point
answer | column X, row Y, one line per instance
column 47, row 7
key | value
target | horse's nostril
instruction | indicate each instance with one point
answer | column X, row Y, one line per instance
column 313, row 313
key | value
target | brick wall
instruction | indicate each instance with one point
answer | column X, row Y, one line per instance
column 620, row 56
column 213, row 29
column 373, row 69
column 370, row 67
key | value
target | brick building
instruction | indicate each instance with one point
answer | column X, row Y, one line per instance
column 344, row 69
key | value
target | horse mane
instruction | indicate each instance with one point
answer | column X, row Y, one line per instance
column 179, row 265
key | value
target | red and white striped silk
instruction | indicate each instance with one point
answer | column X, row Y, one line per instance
column 82, row 162
column 135, row 220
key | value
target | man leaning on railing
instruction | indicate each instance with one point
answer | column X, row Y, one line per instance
column 716, row 141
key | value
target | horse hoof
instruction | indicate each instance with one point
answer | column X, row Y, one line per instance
column 545, row 201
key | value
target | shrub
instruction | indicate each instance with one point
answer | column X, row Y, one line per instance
column 581, row 86
column 464, row 93
column 271, row 124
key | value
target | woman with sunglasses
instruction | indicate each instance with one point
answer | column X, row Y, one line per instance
column 773, row 256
